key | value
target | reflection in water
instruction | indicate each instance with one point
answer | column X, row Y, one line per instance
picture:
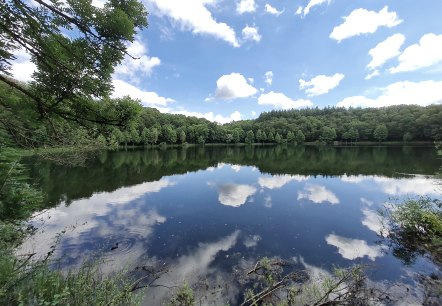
column 366, row 201
column 277, row 181
column 355, row 179
column 234, row 194
column 268, row 202
column 411, row 184
column 318, row 194
column 112, row 170
column 354, row 248
column 251, row 241
column 190, row 268
column 373, row 221
column 418, row 185
column 127, row 194
column 170, row 209
column 99, row 222
column 236, row 168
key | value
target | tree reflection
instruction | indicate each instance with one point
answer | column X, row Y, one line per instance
column 111, row 170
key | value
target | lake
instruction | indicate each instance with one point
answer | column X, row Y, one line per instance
column 205, row 211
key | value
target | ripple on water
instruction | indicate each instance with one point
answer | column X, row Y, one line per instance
column 124, row 245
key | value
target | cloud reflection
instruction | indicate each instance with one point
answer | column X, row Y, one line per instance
column 418, row 185
column 354, row 248
column 235, row 168
column 192, row 267
column 251, row 241
column 366, row 201
column 318, row 194
column 355, row 179
column 234, row 194
column 102, row 216
column 373, row 221
column 277, row 181
column 413, row 184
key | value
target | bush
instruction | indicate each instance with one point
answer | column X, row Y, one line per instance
column 415, row 227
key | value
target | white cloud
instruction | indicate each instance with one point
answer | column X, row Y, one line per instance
column 127, row 194
column 354, row 248
column 234, row 194
column 197, row 264
column 232, row 86
column 277, row 181
column 355, row 179
column 373, row 221
column 313, row 3
column 245, row 6
column 372, row 74
column 99, row 3
column 253, row 114
column 147, row 98
column 279, row 100
column 121, row 205
column 419, row 93
column 385, row 50
column 251, row 33
column 271, row 10
column 136, row 68
column 235, row 116
column 320, row 84
column 424, row 54
column 366, row 202
column 299, row 10
column 268, row 77
column 251, row 241
column 318, row 194
column 361, row 21
column 194, row 16
column 22, row 68
column 235, row 168
column 268, row 203
column 419, row 185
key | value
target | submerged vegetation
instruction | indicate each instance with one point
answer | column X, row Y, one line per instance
column 415, row 227
column 273, row 285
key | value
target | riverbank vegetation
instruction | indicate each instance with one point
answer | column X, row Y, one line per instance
column 25, row 280
column 415, row 228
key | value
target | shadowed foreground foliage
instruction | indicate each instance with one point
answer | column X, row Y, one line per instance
column 24, row 281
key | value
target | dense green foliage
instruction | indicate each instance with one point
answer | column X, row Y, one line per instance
column 397, row 123
column 415, row 227
column 75, row 47
column 21, row 126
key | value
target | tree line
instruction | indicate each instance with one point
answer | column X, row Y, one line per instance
column 21, row 126
column 396, row 123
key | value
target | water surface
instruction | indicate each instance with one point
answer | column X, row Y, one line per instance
column 204, row 211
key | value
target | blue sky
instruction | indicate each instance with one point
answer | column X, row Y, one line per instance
column 228, row 60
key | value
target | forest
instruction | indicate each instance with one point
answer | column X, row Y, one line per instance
column 21, row 126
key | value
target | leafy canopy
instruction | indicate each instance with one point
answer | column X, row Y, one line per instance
column 75, row 47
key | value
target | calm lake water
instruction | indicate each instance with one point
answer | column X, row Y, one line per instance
column 206, row 211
